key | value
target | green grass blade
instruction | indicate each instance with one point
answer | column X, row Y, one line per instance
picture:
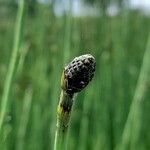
column 24, row 119
column 13, row 59
column 135, row 107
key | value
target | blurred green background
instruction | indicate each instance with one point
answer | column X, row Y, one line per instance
column 113, row 112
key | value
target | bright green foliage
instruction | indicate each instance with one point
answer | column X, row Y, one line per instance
column 100, row 111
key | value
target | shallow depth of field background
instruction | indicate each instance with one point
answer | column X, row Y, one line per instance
column 51, row 37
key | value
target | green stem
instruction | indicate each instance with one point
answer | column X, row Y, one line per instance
column 20, row 144
column 136, row 107
column 63, row 117
column 11, row 68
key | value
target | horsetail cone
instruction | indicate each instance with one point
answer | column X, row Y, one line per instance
column 76, row 76
column 78, row 73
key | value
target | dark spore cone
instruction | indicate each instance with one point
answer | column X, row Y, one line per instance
column 79, row 72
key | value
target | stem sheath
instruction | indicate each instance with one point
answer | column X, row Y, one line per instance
column 63, row 117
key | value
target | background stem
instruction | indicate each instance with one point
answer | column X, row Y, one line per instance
column 135, row 113
column 11, row 68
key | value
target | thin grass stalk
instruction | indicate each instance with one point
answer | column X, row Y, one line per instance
column 84, row 125
column 54, row 103
column 67, row 34
column 135, row 107
column 11, row 67
column 24, row 51
column 24, row 119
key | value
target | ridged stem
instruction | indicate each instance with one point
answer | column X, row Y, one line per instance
column 63, row 116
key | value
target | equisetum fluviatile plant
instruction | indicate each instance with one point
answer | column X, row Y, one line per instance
column 75, row 77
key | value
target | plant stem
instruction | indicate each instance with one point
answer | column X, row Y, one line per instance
column 135, row 108
column 24, row 119
column 11, row 68
column 63, row 117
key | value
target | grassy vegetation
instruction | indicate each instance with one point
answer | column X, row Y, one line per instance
column 101, row 114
